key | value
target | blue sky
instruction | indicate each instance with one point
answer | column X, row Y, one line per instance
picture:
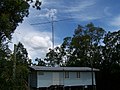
column 37, row 38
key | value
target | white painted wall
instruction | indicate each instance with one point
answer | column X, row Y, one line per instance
column 45, row 80
column 85, row 79
column 57, row 78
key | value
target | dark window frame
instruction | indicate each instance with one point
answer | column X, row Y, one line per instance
column 41, row 73
column 78, row 74
column 66, row 74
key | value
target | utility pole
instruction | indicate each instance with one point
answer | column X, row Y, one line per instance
column 91, row 62
column 14, row 62
column 92, row 75
column 63, row 79
column 90, row 54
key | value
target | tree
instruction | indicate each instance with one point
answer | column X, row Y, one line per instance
column 81, row 48
column 111, row 51
column 5, row 67
column 14, row 71
column 21, row 54
column 109, row 64
column 40, row 62
column 92, row 47
column 12, row 13
column 55, row 57
column 21, row 67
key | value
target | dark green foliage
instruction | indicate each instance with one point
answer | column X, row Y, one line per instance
column 13, row 72
column 89, row 46
column 111, row 51
column 54, row 57
column 40, row 62
column 84, row 46
column 21, row 54
column 37, row 5
column 92, row 47
column 5, row 64
column 11, row 13
column 21, row 69
column 19, row 82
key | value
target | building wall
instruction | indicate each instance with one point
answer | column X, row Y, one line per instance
column 85, row 79
column 58, row 78
column 33, row 79
column 44, row 80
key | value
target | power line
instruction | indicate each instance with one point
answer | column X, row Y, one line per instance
column 51, row 21
column 52, row 26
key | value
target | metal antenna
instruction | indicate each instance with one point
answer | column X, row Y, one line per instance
column 52, row 26
column 52, row 33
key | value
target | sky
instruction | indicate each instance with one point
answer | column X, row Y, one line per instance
column 37, row 39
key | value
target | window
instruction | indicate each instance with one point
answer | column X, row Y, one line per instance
column 41, row 73
column 78, row 74
column 66, row 74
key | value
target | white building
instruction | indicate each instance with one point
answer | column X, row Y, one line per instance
column 44, row 77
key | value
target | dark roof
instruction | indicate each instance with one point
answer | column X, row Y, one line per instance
column 43, row 68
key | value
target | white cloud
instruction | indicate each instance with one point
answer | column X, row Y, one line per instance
column 106, row 11
column 37, row 43
column 39, row 40
column 80, row 5
column 74, row 9
column 115, row 21
column 82, row 10
column 48, row 13
column 86, row 17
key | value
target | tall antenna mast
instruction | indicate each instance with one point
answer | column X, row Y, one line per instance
column 52, row 26
column 52, row 33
